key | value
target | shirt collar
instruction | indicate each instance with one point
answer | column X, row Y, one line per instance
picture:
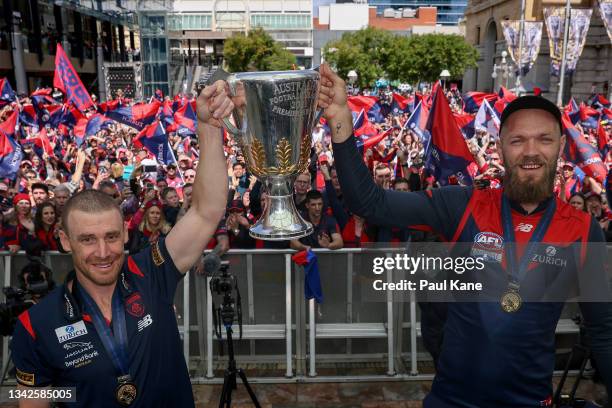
column 541, row 207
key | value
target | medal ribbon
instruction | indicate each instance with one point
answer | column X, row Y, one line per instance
column 517, row 275
column 116, row 345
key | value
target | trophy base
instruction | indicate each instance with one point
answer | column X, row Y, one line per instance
column 268, row 234
column 280, row 221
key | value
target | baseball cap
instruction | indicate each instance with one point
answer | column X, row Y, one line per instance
column 569, row 164
column 530, row 102
column 236, row 205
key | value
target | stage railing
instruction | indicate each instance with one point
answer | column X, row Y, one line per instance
column 281, row 327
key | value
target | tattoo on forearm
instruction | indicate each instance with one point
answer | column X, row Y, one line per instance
column 338, row 127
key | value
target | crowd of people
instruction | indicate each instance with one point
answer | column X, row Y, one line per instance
column 153, row 195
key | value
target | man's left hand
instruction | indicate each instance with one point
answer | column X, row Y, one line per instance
column 214, row 104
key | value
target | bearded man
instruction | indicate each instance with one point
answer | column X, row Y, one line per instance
column 496, row 353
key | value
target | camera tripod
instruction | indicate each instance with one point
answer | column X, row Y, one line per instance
column 225, row 314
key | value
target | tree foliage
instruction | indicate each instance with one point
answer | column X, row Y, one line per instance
column 375, row 53
column 257, row 51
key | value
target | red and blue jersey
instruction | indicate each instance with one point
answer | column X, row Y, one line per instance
column 56, row 344
column 491, row 358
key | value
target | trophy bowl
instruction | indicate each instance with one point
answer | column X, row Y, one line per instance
column 274, row 113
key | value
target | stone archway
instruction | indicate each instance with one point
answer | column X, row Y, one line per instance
column 485, row 81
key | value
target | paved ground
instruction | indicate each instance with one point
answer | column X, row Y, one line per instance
column 327, row 395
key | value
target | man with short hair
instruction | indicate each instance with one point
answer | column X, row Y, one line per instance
column 110, row 330
column 109, row 188
column 326, row 232
column 501, row 352
column 401, row 184
column 240, row 180
column 40, row 193
column 61, row 194
column 172, row 205
column 382, row 176
column 301, row 186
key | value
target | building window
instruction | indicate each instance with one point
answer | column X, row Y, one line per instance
column 477, row 42
column 281, row 21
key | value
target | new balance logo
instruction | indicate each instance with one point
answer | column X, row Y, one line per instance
column 144, row 322
column 524, row 227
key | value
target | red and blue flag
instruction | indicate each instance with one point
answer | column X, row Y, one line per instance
column 7, row 95
column 417, row 123
column 10, row 152
column 598, row 101
column 580, row 152
column 447, row 154
column 67, row 80
column 401, row 104
column 473, row 100
column 587, row 117
column 155, row 140
column 86, row 127
column 185, row 120
column 137, row 116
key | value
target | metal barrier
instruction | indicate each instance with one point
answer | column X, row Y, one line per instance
column 345, row 327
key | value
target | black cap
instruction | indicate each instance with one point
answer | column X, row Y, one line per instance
column 530, row 102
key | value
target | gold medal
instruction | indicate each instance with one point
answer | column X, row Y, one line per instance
column 511, row 301
column 126, row 393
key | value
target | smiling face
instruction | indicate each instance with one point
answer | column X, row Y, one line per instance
column 531, row 142
column 96, row 241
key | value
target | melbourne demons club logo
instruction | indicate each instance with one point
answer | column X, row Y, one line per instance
column 134, row 305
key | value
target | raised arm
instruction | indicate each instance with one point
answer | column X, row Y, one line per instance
column 189, row 237
column 440, row 210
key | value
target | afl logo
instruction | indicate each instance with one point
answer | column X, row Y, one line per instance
column 134, row 305
column 489, row 240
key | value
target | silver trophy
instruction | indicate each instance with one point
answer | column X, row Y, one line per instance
column 272, row 122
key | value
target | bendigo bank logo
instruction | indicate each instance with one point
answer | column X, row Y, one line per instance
column 134, row 305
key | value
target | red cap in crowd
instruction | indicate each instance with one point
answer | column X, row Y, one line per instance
column 154, row 203
column 21, row 197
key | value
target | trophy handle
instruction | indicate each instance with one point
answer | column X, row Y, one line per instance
column 230, row 79
column 230, row 127
column 317, row 116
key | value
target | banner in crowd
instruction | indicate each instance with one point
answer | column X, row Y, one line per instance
column 10, row 151
column 555, row 26
column 532, row 37
column 447, row 154
column 67, row 80
column 7, row 95
column 605, row 10
column 580, row 152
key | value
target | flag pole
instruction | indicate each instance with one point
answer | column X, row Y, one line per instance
column 178, row 168
column 563, row 58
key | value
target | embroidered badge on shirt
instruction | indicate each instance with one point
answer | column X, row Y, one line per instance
column 158, row 259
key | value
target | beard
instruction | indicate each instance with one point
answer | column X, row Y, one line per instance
column 530, row 189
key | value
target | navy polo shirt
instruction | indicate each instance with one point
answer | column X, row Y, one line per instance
column 51, row 349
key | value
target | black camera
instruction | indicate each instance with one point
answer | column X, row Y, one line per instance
column 35, row 282
column 226, row 308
